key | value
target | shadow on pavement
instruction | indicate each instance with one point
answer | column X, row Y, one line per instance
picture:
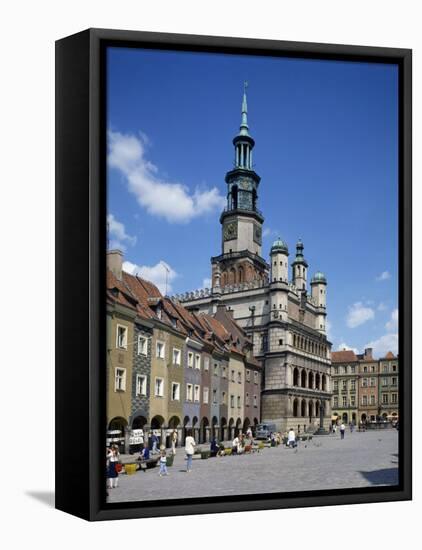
column 46, row 497
column 386, row 476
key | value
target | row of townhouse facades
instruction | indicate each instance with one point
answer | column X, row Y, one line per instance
column 365, row 389
column 169, row 368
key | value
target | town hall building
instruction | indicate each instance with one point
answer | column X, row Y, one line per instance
column 284, row 316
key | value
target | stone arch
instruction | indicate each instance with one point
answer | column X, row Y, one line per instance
column 303, row 408
column 231, row 428
column 317, row 408
column 174, row 422
column 224, row 278
column 138, row 421
column 246, row 424
column 238, row 426
column 157, row 422
column 295, row 376
column 324, row 383
column 303, row 378
column 296, row 407
column 232, row 276
column 311, row 380
column 203, row 432
column 345, row 417
column 240, row 275
column 311, row 409
column 223, row 428
column 317, row 381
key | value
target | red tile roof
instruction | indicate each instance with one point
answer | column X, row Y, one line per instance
column 344, row 356
column 390, row 355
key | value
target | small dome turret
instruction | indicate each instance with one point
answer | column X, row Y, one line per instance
column 319, row 277
column 279, row 246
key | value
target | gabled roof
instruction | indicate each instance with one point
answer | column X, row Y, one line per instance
column 390, row 355
column 344, row 356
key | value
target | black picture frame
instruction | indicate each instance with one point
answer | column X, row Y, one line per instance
column 81, row 260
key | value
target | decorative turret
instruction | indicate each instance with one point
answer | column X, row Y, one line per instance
column 319, row 294
column 300, row 267
column 241, row 260
column 279, row 288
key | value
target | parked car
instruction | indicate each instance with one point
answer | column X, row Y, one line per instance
column 263, row 431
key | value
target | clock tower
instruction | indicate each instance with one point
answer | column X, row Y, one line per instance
column 241, row 221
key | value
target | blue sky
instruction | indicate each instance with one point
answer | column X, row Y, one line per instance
column 326, row 150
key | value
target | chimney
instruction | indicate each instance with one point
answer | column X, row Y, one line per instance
column 115, row 262
column 368, row 353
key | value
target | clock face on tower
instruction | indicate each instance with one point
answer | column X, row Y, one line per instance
column 230, row 231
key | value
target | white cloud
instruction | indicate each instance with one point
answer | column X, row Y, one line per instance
column 384, row 276
column 381, row 306
column 118, row 235
column 156, row 274
column 384, row 344
column 393, row 323
column 343, row 346
column 206, row 283
column 169, row 200
column 359, row 314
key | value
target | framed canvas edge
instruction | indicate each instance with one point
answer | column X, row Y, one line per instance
column 91, row 505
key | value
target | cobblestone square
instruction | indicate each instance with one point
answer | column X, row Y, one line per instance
column 362, row 459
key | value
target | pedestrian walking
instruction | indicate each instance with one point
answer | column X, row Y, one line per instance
column 249, row 433
column 352, row 426
column 189, row 450
column 235, row 445
column 113, row 459
column 154, row 441
column 342, row 430
column 214, row 447
column 163, row 463
column 291, row 438
column 334, row 429
column 173, row 441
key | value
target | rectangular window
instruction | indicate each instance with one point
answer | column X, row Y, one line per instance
column 344, row 385
column 394, row 398
column 352, row 385
column 205, row 395
column 394, row 368
column 190, row 359
column 255, row 401
column 364, row 382
column 142, row 345
column 247, row 400
column 372, row 399
column 248, row 375
column 256, row 377
column 177, row 355
column 197, row 393
column 394, row 381
column 121, row 337
column 352, row 401
column 373, row 382
column 385, row 368
column 141, row 384
column 175, row 391
column 335, row 370
column 364, row 400
column 238, row 402
column 206, row 363
column 197, row 361
column 215, row 369
column 344, row 401
column 233, row 373
column 223, row 397
column 159, row 387
column 223, row 372
column 335, row 402
column 214, row 396
column 120, row 380
column 239, row 377
column 385, row 398
column 189, row 392
column 352, row 369
column 335, row 385
column 365, row 369
column 160, row 350
column 232, row 401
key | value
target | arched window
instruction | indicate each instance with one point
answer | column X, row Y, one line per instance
column 240, row 275
column 234, row 197
column 303, row 408
column 317, row 381
column 311, row 380
column 303, row 378
column 295, row 407
column 295, row 376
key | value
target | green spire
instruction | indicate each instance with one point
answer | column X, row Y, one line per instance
column 244, row 128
